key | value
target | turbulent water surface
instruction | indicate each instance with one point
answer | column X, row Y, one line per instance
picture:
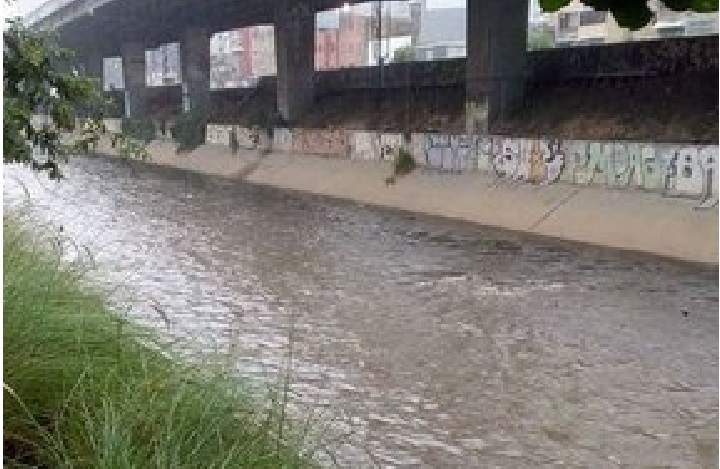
column 421, row 342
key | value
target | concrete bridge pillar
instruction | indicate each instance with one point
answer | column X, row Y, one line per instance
column 133, row 65
column 195, row 60
column 496, row 60
column 295, row 49
column 92, row 65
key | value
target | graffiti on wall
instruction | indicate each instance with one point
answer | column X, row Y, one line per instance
column 683, row 170
column 374, row 145
column 320, row 142
column 389, row 145
column 451, row 153
column 282, row 140
column 536, row 161
column 593, row 163
column 634, row 165
column 362, row 146
column 673, row 169
column 217, row 134
column 506, row 159
column 247, row 139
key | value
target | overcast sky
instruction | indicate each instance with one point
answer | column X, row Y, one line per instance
column 21, row 7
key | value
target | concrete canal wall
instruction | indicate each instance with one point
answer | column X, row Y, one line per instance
column 655, row 198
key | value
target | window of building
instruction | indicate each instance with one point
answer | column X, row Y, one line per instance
column 676, row 31
column 564, row 22
column 592, row 17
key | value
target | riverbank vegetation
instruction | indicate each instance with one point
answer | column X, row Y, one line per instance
column 51, row 109
column 83, row 389
column 404, row 164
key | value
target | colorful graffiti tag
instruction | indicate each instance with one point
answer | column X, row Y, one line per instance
column 282, row 140
column 683, row 170
column 673, row 169
column 374, row 145
column 320, row 142
column 218, row 134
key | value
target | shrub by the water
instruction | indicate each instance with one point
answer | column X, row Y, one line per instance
column 189, row 130
column 404, row 162
column 139, row 129
column 82, row 390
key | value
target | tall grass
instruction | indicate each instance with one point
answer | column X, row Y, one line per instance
column 82, row 391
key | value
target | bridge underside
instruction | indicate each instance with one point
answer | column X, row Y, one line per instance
column 105, row 25
column 495, row 73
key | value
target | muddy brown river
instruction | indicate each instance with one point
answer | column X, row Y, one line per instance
column 409, row 341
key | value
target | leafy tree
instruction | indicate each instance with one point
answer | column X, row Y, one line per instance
column 634, row 14
column 44, row 95
column 403, row 54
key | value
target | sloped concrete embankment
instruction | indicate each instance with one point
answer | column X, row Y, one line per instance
column 624, row 219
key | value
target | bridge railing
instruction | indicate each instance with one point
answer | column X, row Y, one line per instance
column 44, row 10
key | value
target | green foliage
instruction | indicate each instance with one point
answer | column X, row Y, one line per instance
column 130, row 147
column 85, row 390
column 189, row 130
column 40, row 81
column 540, row 39
column 404, row 162
column 139, row 129
column 404, row 54
column 634, row 14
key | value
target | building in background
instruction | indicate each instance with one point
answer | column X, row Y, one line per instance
column 260, row 46
column 340, row 39
column 392, row 33
column 371, row 33
column 670, row 23
column 226, row 59
column 389, row 49
column 577, row 25
column 238, row 58
column 541, row 33
column 442, row 33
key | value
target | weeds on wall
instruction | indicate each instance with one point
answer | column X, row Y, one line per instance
column 404, row 164
column 189, row 131
column 142, row 130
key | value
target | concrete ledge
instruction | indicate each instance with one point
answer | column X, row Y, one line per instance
column 617, row 218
